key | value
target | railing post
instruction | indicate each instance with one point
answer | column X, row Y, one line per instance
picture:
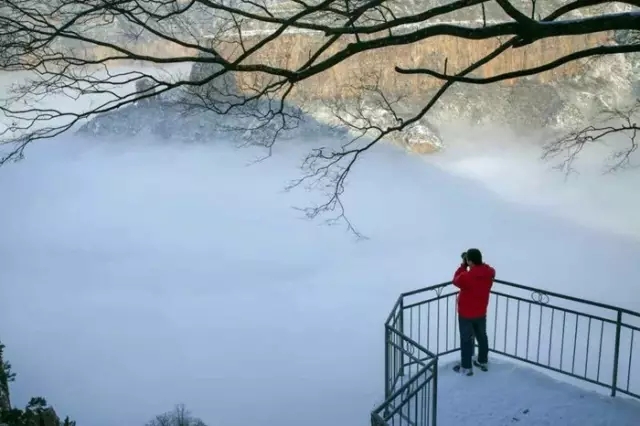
column 616, row 354
column 434, row 395
column 401, row 329
column 387, row 361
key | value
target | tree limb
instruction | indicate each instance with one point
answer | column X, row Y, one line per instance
column 50, row 41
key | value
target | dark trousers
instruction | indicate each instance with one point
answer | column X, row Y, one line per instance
column 473, row 329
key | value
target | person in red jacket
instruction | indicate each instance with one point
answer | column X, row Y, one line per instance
column 474, row 278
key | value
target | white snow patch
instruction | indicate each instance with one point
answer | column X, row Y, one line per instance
column 509, row 394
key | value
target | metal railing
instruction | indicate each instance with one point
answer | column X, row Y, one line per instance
column 589, row 341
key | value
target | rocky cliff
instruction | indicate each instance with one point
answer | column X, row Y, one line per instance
column 564, row 97
column 558, row 99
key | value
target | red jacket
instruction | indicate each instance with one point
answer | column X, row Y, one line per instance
column 475, row 287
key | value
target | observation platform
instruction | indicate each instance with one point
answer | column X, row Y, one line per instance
column 513, row 394
column 554, row 360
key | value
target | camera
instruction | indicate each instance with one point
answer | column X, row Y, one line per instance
column 464, row 257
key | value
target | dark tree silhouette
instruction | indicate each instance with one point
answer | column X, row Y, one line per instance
column 179, row 416
column 36, row 413
column 51, row 39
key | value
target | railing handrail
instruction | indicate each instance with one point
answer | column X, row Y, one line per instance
column 406, row 385
column 532, row 289
column 411, row 341
column 393, row 310
column 395, row 325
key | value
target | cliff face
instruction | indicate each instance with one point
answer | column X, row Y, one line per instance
column 377, row 67
column 565, row 96
column 557, row 99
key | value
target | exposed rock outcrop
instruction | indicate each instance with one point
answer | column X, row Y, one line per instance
column 174, row 121
column 631, row 37
column 220, row 90
column 419, row 137
column 145, row 86
column 565, row 96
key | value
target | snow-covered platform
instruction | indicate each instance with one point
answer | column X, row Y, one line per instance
column 514, row 394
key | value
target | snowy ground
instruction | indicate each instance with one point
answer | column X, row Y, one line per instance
column 513, row 395
column 138, row 274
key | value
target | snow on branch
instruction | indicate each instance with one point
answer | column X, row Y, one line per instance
column 86, row 49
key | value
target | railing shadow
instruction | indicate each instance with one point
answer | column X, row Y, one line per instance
column 589, row 341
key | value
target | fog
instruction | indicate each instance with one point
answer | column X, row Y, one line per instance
column 510, row 165
column 138, row 274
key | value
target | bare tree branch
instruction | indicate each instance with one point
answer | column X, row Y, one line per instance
column 179, row 416
column 79, row 49
column 612, row 122
column 586, row 53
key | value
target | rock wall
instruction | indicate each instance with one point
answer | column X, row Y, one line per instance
column 551, row 99
column 377, row 67
column 561, row 97
column 564, row 96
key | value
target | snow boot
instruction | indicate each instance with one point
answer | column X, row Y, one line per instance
column 482, row 366
column 464, row 371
